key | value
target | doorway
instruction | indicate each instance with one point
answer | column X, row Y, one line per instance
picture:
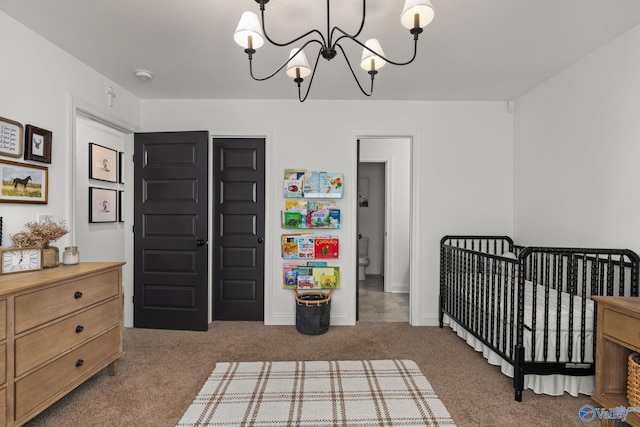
column 384, row 181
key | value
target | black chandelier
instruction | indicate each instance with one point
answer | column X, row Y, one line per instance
column 251, row 32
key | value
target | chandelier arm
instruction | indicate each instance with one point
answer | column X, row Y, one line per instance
column 352, row 36
column 354, row 74
column 348, row 36
column 261, row 79
column 322, row 40
column 313, row 73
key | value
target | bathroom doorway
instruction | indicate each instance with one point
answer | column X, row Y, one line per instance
column 384, row 183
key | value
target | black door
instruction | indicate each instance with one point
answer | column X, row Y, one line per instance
column 170, row 230
column 238, row 229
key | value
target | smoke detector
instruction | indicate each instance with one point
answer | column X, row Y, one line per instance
column 144, row 75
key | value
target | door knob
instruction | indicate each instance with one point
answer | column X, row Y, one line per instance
column 260, row 240
column 199, row 242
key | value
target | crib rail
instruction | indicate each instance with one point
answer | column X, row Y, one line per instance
column 508, row 301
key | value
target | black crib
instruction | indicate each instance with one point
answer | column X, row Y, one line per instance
column 504, row 294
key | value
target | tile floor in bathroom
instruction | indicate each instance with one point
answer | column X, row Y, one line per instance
column 378, row 306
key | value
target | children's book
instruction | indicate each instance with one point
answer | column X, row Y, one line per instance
column 326, row 277
column 293, row 188
column 334, row 218
column 323, row 184
column 305, row 246
column 296, row 205
column 294, row 219
column 289, row 246
column 306, row 282
column 294, row 173
column 326, row 247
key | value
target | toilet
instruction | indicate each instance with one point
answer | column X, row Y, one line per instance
column 363, row 257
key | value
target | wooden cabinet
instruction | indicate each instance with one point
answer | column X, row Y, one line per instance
column 58, row 327
column 618, row 335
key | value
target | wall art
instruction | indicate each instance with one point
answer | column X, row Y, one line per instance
column 102, row 205
column 37, row 144
column 103, row 163
column 23, row 183
column 10, row 138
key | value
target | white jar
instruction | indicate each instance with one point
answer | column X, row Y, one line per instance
column 71, row 255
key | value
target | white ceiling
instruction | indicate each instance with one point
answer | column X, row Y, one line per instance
column 473, row 49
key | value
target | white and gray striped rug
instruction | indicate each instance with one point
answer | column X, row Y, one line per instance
column 337, row 393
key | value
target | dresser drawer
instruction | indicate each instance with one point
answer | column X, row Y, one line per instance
column 36, row 388
column 37, row 347
column 42, row 306
column 619, row 325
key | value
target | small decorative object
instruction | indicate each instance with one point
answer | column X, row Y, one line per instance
column 37, row 144
column 42, row 234
column 633, row 380
column 23, row 183
column 17, row 260
column 102, row 205
column 103, row 163
column 70, row 256
column 10, row 138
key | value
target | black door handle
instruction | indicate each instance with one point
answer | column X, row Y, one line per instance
column 199, row 242
column 260, row 240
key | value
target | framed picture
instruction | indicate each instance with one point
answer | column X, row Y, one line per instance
column 120, row 210
column 23, row 183
column 102, row 205
column 0, row 231
column 37, row 144
column 121, row 167
column 10, row 138
column 103, row 163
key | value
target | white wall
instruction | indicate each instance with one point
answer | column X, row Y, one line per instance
column 462, row 161
column 41, row 85
column 577, row 146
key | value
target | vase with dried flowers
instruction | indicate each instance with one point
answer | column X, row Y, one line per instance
column 42, row 234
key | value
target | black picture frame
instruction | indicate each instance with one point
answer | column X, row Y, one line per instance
column 103, row 205
column 120, row 210
column 103, row 163
column 121, row 167
column 37, row 144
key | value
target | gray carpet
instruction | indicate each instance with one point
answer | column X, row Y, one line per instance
column 162, row 372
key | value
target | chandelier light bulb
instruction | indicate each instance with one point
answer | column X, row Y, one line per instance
column 422, row 8
column 297, row 59
column 248, row 32
column 371, row 61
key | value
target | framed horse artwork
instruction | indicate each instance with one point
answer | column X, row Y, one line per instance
column 23, row 183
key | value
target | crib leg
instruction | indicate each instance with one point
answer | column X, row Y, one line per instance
column 518, row 372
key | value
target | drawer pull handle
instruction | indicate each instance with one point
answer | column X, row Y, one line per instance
column 79, row 329
column 79, row 363
column 77, row 295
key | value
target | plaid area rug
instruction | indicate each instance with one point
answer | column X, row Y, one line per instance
column 338, row 393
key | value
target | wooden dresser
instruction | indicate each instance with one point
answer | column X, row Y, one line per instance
column 58, row 328
column 618, row 335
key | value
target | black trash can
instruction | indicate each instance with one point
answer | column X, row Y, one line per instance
column 313, row 310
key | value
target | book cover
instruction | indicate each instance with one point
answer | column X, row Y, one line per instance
column 331, row 185
column 296, row 205
column 334, row 218
column 292, row 173
column 311, row 186
column 326, row 247
column 320, row 218
column 326, row 277
column 293, row 188
column 306, row 282
column 289, row 246
column 290, row 279
column 294, row 219
column 305, row 246
column 315, row 205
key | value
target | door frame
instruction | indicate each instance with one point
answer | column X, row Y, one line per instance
column 412, row 135
column 79, row 106
column 269, row 258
